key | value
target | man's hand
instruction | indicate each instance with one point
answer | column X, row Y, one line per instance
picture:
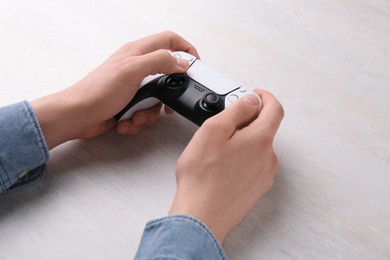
column 229, row 164
column 87, row 108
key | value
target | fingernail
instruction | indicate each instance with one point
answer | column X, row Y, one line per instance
column 182, row 62
column 251, row 99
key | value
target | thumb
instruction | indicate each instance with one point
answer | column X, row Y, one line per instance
column 161, row 61
column 236, row 116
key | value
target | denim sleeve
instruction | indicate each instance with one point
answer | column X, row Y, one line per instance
column 178, row 237
column 23, row 150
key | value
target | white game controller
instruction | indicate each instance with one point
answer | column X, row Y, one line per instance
column 200, row 93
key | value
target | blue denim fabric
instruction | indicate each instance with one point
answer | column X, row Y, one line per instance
column 23, row 150
column 178, row 237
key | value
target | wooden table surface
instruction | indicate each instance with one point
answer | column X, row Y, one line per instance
column 327, row 61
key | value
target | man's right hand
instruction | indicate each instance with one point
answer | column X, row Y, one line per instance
column 229, row 164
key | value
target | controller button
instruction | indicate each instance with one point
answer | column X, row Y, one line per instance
column 187, row 57
column 175, row 81
column 233, row 98
column 211, row 101
column 242, row 89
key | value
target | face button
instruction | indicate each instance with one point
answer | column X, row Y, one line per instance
column 233, row 98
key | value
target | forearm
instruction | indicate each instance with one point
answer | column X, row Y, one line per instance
column 55, row 114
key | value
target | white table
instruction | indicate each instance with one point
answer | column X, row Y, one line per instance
column 327, row 61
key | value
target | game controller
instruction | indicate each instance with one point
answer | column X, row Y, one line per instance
column 200, row 93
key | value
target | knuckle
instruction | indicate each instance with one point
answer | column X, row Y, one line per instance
column 163, row 54
column 270, row 183
column 280, row 110
column 128, row 45
column 277, row 106
column 275, row 163
column 166, row 60
column 169, row 35
column 273, row 167
column 210, row 124
column 267, row 139
column 214, row 125
column 125, row 46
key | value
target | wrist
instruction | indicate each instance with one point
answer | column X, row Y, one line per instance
column 59, row 117
column 196, row 209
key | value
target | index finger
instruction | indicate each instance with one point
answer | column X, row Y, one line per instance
column 165, row 40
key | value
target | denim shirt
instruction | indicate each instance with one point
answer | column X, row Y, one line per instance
column 23, row 154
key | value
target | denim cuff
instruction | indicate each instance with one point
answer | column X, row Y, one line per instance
column 178, row 237
column 23, row 148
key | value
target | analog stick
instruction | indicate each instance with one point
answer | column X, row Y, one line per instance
column 211, row 102
column 175, row 81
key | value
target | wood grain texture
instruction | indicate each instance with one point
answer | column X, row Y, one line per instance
column 327, row 61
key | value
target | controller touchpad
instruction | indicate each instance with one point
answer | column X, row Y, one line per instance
column 212, row 78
